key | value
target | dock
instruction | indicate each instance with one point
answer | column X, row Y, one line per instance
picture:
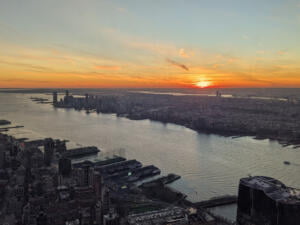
column 170, row 178
column 8, row 128
column 116, row 159
column 105, row 162
column 139, row 174
column 80, row 152
column 217, row 201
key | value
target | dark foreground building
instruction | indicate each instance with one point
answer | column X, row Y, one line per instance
column 266, row 201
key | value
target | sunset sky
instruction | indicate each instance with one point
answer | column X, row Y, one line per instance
column 154, row 43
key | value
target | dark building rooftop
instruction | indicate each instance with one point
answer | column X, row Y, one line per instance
column 273, row 188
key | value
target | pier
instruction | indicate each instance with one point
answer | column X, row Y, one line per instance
column 3, row 129
column 217, row 201
column 80, row 152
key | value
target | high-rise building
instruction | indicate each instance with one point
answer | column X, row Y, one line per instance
column 48, row 151
column 60, row 146
column 99, row 187
column 41, row 219
column 26, row 213
column 106, row 203
column 65, row 166
column 2, row 156
column 85, row 176
column 86, row 98
column 111, row 218
column 55, row 97
column 264, row 200
column 98, row 213
column 66, row 99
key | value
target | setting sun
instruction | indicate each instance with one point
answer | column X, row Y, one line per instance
column 203, row 84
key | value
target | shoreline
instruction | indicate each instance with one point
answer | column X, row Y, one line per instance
column 284, row 143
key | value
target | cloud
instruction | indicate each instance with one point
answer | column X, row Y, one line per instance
column 121, row 10
column 182, row 66
column 221, row 58
column 13, row 80
column 261, row 52
column 282, row 52
column 103, row 67
column 216, row 65
column 286, row 66
column 154, row 47
column 184, row 54
column 245, row 37
column 27, row 65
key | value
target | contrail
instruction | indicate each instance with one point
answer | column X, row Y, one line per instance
column 178, row 64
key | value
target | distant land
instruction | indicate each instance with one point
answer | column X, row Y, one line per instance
column 243, row 92
column 262, row 113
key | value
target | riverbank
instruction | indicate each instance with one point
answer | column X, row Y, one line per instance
column 283, row 140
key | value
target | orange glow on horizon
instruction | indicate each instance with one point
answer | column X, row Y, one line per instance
column 42, row 68
column 203, row 84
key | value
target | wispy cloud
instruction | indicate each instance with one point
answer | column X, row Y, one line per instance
column 104, row 67
column 154, row 47
column 260, row 52
column 27, row 65
column 121, row 10
column 282, row 52
column 245, row 37
column 177, row 64
column 13, row 80
column 185, row 54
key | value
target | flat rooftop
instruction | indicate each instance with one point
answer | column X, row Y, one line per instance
column 273, row 188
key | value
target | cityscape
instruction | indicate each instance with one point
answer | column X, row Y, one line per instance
column 165, row 112
column 43, row 182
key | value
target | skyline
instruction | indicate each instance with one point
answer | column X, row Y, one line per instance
column 71, row 44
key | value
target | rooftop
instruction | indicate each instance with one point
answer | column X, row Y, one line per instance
column 273, row 188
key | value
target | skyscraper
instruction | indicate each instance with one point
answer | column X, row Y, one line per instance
column 2, row 156
column 65, row 166
column 48, row 151
column 54, row 98
column 85, row 176
column 264, row 200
